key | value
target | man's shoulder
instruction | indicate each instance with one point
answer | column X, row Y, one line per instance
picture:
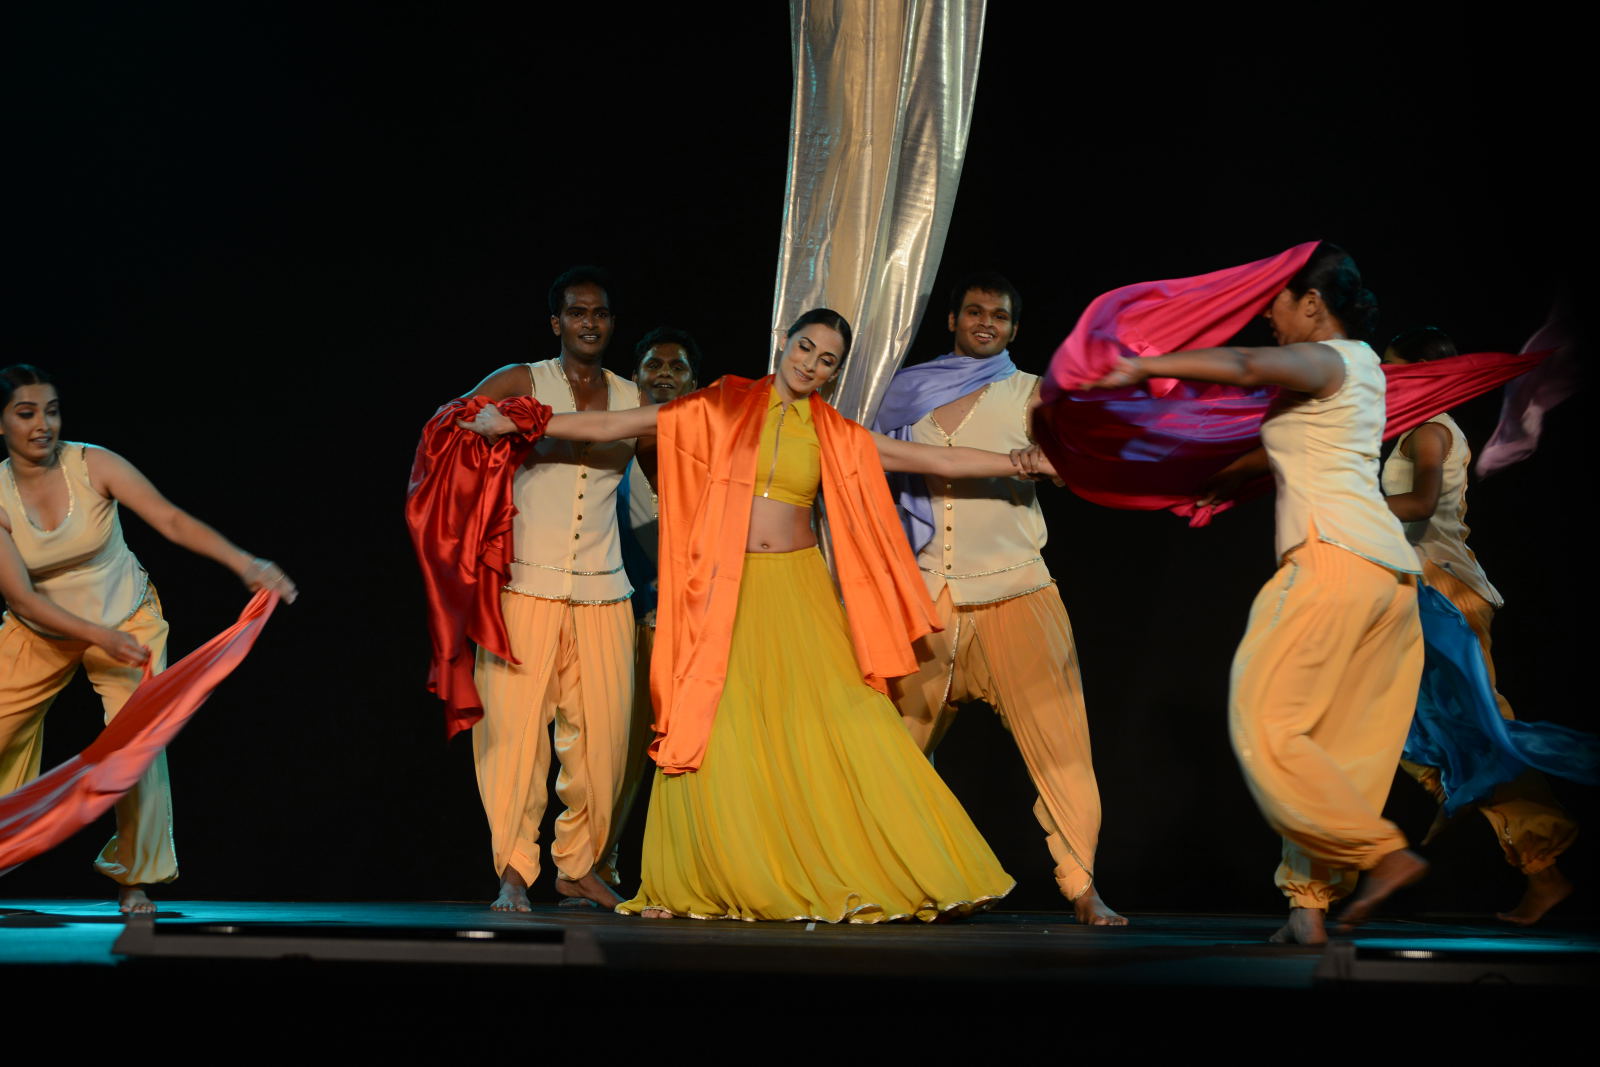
column 1017, row 389
column 545, row 369
column 626, row 387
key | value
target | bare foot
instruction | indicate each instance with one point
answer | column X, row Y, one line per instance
column 655, row 913
column 1305, row 927
column 132, row 900
column 1092, row 911
column 513, row 893
column 1395, row 871
column 1546, row 889
column 589, row 888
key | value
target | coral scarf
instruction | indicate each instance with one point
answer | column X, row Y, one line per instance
column 59, row 803
column 706, row 455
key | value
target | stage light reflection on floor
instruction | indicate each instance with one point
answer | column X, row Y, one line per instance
column 1157, row 950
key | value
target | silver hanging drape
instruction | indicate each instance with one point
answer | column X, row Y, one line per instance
column 882, row 105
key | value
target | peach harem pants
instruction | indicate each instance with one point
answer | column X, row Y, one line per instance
column 1324, row 686
column 1018, row 656
column 576, row 672
column 33, row 671
column 1530, row 824
column 640, row 734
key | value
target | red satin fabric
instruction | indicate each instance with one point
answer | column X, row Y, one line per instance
column 706, row 447
column 1156, row 446
column 63, row 801
column 459, row 512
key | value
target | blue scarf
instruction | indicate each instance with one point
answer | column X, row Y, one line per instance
column 913, row 393
column 1458, row 728
column 635, row 561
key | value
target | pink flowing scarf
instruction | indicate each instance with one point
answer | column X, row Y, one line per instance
column 1156, row 445
column 58, row 804
column 1530, row 398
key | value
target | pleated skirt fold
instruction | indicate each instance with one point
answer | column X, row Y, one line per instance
column 813, row 802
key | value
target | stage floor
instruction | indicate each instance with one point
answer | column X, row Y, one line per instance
column 1005, row 948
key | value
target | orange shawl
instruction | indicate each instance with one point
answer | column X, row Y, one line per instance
column 706, row 452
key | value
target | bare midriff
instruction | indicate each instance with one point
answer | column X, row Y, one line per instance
column 779, row 527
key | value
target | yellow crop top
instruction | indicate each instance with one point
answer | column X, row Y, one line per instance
column 789, row 460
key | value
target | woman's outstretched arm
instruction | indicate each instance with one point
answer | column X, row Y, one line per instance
column 22, row 598
column 1311, row 368
column 913, row 458
column 121, row 480
column 616, row 425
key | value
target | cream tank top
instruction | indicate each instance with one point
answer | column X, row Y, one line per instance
column 1324, row 457
column 83, row 565
column 1442, row 539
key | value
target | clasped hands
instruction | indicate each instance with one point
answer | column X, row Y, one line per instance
column 1032, row 463
column 489, row 423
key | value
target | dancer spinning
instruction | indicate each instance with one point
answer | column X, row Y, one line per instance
column 78, row 596
column 1426, row 479
column 1325, row 679
column 787, row 787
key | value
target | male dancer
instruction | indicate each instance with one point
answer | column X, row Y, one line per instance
column 1425, row 479
column 666, row 366
column 1006, row 637
column 569, row 622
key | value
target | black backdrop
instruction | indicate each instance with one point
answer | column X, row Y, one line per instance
column 258, row 246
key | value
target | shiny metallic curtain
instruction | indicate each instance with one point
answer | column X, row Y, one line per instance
column 882, row 104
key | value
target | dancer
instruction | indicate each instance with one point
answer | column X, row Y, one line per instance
column 1325, row 679
column 666, row 366
column 1005, row 638
column 1425, row 478
column 566, row 612
column 786, row 786
column 77, row 596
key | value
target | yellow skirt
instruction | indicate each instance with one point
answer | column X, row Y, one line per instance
column 813, row 802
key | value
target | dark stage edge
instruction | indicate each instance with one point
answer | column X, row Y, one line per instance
column 41, row 938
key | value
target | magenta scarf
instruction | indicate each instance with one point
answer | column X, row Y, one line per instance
column 1156, row 445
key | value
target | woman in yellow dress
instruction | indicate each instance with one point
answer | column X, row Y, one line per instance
column 787, row 787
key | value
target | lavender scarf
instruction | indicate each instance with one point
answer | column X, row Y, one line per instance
column 913, row 393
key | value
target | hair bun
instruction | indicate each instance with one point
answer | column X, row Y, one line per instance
column 1332, row 272
column 1360, row 315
